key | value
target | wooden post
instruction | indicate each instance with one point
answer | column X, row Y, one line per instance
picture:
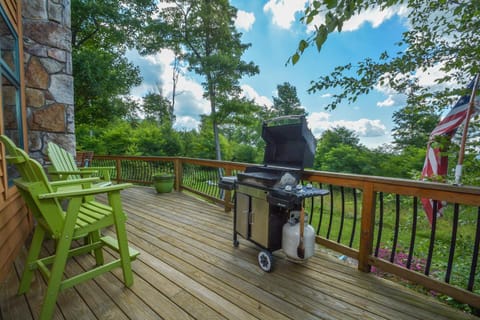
column 119, row 170
column 228, row 194
column 368, row 221
column 177, row 167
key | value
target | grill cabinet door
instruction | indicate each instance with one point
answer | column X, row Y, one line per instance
column 259, row 224
column 242, row 213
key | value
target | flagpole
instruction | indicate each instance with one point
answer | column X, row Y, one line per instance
column 461, row 155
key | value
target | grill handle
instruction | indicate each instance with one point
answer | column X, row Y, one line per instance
column 283, row 118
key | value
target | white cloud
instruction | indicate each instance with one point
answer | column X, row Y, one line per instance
column 320, row 121
column 244, row 20
column 250, row 93
column 326, row 95
column 374, row 16
column 389, row 102
column 283, row 11
column 186, row 123
column 157, row 70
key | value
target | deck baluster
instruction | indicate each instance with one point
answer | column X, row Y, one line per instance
column 452, row 243
column 342, row 217
column 380, row 225
column 414, row 232
column 432, row 238
column 473, row 268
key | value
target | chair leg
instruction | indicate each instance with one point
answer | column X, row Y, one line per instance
column 33, row 254
column 60, row 260
column 119, row 217
column 55, row 280
column 98, row 253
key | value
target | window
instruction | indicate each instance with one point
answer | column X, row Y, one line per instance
column 10, row 92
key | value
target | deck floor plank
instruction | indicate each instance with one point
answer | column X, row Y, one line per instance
column 188, row 268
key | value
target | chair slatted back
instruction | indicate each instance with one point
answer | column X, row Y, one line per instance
column 32, row 182
column 62, row 160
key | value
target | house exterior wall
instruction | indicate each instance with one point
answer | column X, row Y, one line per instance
column 15, row 221
column 48, row 75
column 47, row 105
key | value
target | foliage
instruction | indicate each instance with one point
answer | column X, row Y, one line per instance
column 413, row 125
column 330, row 140
column 101, row 33
column 157, row 108
column 204, row 33
column 442, row 34
column 112, row 75
column 108, row 23
column 287, row 101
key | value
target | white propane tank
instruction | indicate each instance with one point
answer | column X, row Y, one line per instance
column 291, row 237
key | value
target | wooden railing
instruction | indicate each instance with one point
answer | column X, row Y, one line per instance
column 377, row 222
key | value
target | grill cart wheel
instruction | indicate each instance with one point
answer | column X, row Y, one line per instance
column 265, row 260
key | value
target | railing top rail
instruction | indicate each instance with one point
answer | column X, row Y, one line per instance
column 353, row 180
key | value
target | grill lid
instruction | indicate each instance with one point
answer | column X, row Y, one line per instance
column 289, row 142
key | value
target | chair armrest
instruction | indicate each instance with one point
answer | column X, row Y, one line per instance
column 79, row 172
column 84, row 192
column 63, row 183
column 96, row 168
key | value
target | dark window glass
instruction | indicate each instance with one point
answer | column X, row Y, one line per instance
column 10, row 92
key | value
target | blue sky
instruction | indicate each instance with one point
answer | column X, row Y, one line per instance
column 273, row 29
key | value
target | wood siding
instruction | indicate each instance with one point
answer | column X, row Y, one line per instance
column 12, row 8
column 15, row 221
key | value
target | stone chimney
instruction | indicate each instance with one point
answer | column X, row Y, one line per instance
column 48, row 75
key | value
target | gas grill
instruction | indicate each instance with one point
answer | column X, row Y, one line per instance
column 266, row 195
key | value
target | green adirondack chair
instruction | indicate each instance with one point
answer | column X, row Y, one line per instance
column 64, row 167
column 83, row 217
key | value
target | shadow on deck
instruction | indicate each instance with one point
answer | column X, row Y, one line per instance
column 189, row 269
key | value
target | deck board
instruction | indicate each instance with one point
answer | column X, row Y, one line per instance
column 189, row 269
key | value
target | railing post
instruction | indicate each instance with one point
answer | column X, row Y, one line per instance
column 228, row 194
column 177, row 168
column 119, row 170
column 368, row 221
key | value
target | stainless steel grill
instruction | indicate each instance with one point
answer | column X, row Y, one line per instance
column 265, row 195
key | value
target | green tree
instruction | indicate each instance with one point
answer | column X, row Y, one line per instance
column 154, row 140
column 413, row 125
column 287, row 101
column 110, row 24
column 205, row 31
column 158, row 108
column 332, row 139
column 101, row 77
column 441, row 34
column 348, row 159
column 101, row 32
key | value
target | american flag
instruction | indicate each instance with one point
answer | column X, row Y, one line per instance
column 436, row 163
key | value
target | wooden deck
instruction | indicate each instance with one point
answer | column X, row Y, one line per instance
column 188, row 269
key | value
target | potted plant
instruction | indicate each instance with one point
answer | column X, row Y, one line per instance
column 163, row 182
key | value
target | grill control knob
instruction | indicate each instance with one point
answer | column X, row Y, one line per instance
column 288, row 188
column 309, row 186
column 299, row 187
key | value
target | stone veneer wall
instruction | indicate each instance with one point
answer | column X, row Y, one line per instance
column 48, row 75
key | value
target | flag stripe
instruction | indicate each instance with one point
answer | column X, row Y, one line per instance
column 436, row 164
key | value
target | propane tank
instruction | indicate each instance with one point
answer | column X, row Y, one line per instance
column 291, row 237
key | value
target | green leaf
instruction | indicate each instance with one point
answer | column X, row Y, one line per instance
column 331, row 4
column 330, row 21
column 295, row 58
column 302, row 45
column 321, row 37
